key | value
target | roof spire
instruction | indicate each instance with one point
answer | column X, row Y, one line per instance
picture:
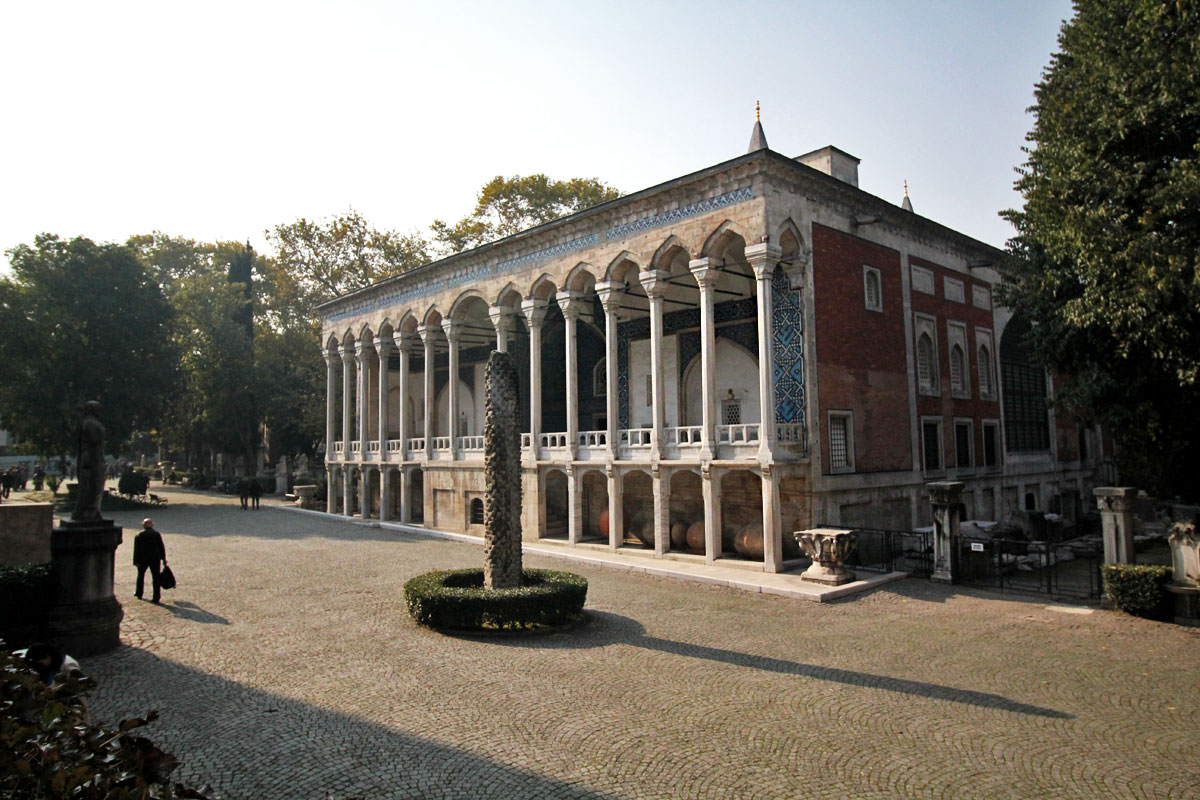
column 758, row 139
column 906, row 204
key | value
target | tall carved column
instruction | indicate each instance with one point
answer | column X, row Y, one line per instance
column 710, row 488
column 362, row 397
column 610, row 297
column 762, row 259
column 772, row 521
column 946, row 499
column 402, row 493
column 331, row 362
column 1116, row 522
column 571, row 304
column 574, row 506
column 427, row 333
column 655, row 284
column 347, row 406
column 534, row 311
column 706, row 278
column 402, row 410
column 662, row 524
column 383, row 348
column 452, row 329
column 330, row 490
column 364, row 492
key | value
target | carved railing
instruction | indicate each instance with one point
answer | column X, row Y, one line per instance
column 790, row 434
column 416, row 445
column 356, row 447
column 637, row 437
column 685, row 436
column 395, row 445
column 470, row 444
column 553, row 439
column 441, row 443
column 592, row 438
column 737, row 434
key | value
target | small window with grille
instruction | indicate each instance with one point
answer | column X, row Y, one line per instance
column 925, row 370
column 986, row 380
column 477, row 511
column 841, row 441
column 931, row 440
column 872, row 289
column 731, row 412
column 957, row 372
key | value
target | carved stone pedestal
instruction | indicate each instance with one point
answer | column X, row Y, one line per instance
column 1116, row 522
column 84, row 618
column 829, row 549
column 306, row 496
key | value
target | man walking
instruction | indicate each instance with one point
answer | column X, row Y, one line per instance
column 255, row 492
column 148, row 552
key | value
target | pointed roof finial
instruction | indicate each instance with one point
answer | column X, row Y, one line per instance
column 758, row 139
column 906, row 204
column 906, row 187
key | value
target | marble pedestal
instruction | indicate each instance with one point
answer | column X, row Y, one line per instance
column 84, row 617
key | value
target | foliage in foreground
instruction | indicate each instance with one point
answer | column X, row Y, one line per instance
column 49, row 749
column 1108, row 242
column 456, row 600
column 1138, row 589
column 24, row 596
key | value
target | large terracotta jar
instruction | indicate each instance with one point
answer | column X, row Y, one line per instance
column 679, row 533
column 602, row 522
column 695, row 538
column 749, row 542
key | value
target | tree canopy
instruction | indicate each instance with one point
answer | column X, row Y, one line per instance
column 1104, row 259
column 81, row 321
column 510, row 205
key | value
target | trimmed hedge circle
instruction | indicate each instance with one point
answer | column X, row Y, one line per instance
column 455, row 600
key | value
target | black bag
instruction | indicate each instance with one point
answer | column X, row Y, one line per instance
column 167, row 579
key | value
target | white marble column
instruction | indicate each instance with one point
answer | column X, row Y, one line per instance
column 383, row 348
column 610, row 297
column 452, row 328
column 330, row 491
column 655, row 284
column 1117, row 522
column 364, row 492
column 616, row 528
column 762, row 259
column 427, row 333
column 662, row 526
column 772, row 521
column 710, row 488
column 347, row 407
column 571, row 304
column 502, row 321
column 706, row 279
column 362, row 398
column 402, row 410
column 574, row 506
column 385, row 493
column 534, row 311
column 402, row 490
column 331, row 362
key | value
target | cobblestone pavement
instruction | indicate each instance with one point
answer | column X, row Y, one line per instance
column 285, row 666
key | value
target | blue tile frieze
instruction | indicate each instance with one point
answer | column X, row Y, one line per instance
column 465, row 275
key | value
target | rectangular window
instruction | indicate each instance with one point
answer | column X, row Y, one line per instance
column 963, row 446
column 872, row 289
column 841, row 441
column 953, row 290
column 731, row 412
column 922, row 280
column 931, row 440
column 991, row 445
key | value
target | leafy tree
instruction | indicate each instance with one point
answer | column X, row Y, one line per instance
column 81, row 321
column 510, row 205
column 327, row 259
column 1105, row 255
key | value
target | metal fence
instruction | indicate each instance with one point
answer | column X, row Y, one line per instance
column 882, row 550
column 1069, row 570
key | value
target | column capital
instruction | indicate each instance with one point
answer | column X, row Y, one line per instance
column 570, row 302
column 945, row 493
column 610, row 294
column 362, row 346
column 500, row 315
column 428, row 333
column 384, row 343
column 347, row 354
column 704, row 271
column 762, row 258
column 534, row 311
column 331, row 356
column 1115, row 498
column 453, row 329
column 654, row 282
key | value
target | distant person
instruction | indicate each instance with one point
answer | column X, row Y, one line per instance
column 243, row 487
column 6, row 483
column 255, row 492
column 148, row 554
column 39, row 478
column 48, row 661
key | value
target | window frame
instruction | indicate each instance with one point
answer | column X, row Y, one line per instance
column 868, row 273
column 846, row 416
column 600, row 387
column 998, row 443
column 927, row 325
column 940, row 469
column 969, row 424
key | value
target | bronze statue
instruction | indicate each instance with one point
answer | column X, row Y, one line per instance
column 89, row 461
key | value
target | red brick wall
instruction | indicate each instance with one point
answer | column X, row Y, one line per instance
column 861, row 363
column 947, row 406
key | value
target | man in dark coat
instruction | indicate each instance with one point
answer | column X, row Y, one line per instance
column 148, row 553
column 255, row 490
column 244, row 491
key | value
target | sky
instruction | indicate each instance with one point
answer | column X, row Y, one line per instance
column 220, row 120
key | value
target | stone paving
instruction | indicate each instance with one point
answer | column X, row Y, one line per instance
column 285, row 666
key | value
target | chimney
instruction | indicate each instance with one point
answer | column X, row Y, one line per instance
column 833, row 161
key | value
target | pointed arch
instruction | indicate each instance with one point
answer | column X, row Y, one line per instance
column 508, row 296
column 719, row 241
column 581, row 278
column 667, row 252
column 543, row 288
column 791, row 241
column 463, row 301
column 619, row 268
column 432, row 317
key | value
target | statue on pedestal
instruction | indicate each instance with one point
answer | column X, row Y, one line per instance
column 89, row 464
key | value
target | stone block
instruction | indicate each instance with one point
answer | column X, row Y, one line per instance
column 25, row 533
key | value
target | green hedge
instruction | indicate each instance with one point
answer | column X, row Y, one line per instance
column 1138, row 589
column 456, row 600
column 25, row 594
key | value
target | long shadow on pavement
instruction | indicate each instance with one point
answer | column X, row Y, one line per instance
column 603, row 629
column 248, row 743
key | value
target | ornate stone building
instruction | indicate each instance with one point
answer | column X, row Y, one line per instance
column 708, row 365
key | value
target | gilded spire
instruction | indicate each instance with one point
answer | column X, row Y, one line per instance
column 757, row 112
column 906, row 204
column 758, row 139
